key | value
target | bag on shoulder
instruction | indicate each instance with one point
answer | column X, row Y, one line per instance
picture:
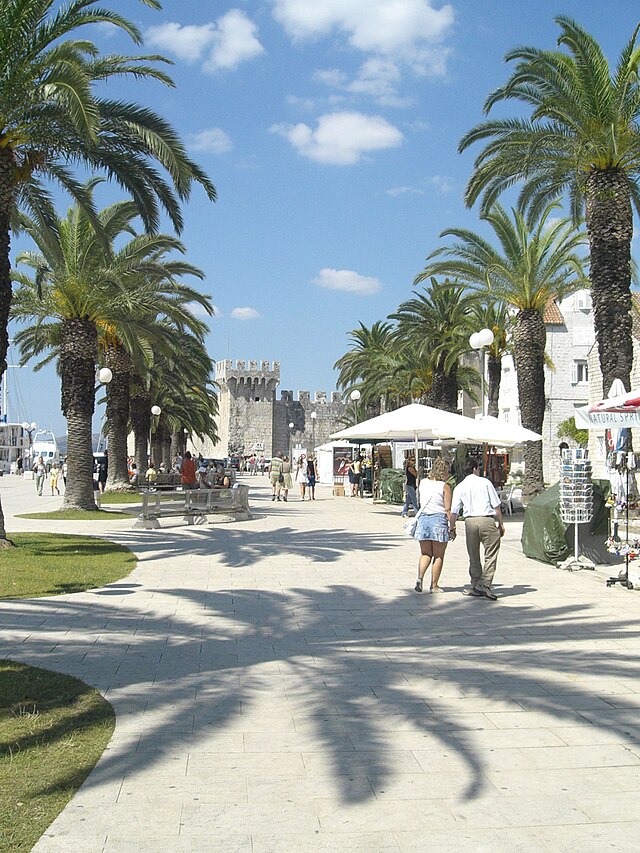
column 409, row 527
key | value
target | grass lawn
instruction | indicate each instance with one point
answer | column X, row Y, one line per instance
column 120, row 498
column 77, row 515
column 58, row 563
column 53, row 729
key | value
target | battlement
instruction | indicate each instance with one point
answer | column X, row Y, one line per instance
column 251, row 369
column 304, row 397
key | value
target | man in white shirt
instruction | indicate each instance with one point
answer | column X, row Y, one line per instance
column 479, row 501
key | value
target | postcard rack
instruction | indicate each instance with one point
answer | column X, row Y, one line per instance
column 576, row 500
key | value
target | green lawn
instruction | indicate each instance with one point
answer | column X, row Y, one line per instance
column 56, row 563
column 77, row 515
column 53, row 730
column 120, row 498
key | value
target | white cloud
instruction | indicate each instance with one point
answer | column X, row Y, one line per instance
column 396, row 191
column 245, row 314
column 348, row 281
column 213, row 140
column 401, row 28
column 222, row 45
column 341, row 138
column 442, row 184
column 235, row 41
column 200, row 311
column 187, row 42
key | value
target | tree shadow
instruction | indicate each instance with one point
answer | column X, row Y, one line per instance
column 351, row 659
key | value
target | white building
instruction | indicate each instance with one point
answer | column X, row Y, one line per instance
column 570, row 336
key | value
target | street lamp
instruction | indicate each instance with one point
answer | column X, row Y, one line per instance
column 103, row 377
column 354, row 396
column 30, row 429
column 478, row 341
column 291, row 428
column 313, row 417
column 155, row 410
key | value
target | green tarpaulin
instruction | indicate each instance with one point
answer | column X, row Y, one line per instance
column 544, row 535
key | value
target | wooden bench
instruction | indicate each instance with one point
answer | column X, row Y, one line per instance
column 194, row 505
column 163, row 482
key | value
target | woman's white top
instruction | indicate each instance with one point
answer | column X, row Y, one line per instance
column 431, row 496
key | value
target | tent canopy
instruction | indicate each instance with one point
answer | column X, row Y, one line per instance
column 424, row 423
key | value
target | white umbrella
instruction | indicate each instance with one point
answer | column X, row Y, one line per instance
column 415, row 421
column 489, row 430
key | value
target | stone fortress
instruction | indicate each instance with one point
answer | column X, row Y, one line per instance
column 252, row 419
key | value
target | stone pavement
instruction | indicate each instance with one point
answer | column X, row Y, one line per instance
column 279, row 687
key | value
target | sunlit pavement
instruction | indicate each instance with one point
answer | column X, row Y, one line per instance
column 280, row 687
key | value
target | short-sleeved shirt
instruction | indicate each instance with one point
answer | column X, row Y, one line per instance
column 188, row 471
column 476, row 496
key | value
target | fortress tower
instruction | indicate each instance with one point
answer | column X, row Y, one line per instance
column 252, row 420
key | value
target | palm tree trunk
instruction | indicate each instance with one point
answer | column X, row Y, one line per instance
column 78, row 355
column 494, row 371
column 610, row 229
column 140, row 413
column 529, row 340
column 444, row 389
column 7, row 168
column 117, row 360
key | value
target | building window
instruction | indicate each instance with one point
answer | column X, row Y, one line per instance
column 582, row 301
column 579, row 372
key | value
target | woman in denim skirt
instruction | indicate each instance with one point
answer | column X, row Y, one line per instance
column 432, row 527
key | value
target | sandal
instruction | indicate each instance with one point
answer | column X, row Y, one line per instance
column 418, row 586
column 436, row 589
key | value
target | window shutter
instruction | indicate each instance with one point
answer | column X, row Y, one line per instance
column 574, row 373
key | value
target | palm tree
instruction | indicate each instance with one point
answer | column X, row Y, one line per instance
column 51, row 118
column 359, row 368
column 437, row 323
column 529, row 268
column 582, row 141
column 83, row 297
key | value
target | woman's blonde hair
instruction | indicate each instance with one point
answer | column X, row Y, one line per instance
column 440, row 470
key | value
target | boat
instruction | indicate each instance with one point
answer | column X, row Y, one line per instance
column 45, row 445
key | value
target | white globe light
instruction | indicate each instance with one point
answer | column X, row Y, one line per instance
column 25, row 425
column 355, row 395
column 291, row 425
column 314, row 415
column 485, row 336
column 105, row 375
column 156, row 410
column 474, row 343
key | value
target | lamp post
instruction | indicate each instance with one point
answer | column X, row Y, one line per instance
column 354, row 396
column 291, row 428
column 103, row 377
column 30, row 430
column 313, row 417
column 479, row 341
column 156, row 411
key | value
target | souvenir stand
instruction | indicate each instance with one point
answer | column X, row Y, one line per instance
column 617, row 414
column 576, row 501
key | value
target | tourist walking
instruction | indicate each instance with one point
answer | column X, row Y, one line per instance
column 355, row 476
column 433, row 524
column 19, row 466
column 188, row 476
column 103, row 468
column 479, row 501
column 288, row 480
column 65, row 471
column 301, row 476
column 54, row 474
column 410, row 481
column 276, row 476
column 312, row 476
column 40, row 470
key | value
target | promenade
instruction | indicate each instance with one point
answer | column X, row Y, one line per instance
column 280, row 688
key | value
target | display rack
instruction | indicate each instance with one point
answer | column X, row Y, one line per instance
column 576, row 501
column 623, row 497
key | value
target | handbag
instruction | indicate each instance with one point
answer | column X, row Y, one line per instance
column 281, row 478
column 409, row 527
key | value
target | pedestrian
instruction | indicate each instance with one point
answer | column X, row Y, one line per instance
column 65, row 469
column 103, row 468
column 355, row 476
column 410, row 481
column 54, row 474
column 188, row 476
column 301, row 476
column 286, row 473
column 19, row 466
column 152, row 475
column 133, row 476
column 40, row 470
column 276, row 476
column 262, row 464
column 432, row 523
column 479, row 501
column 312, row 475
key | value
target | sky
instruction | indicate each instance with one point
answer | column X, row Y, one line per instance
column 330, row 130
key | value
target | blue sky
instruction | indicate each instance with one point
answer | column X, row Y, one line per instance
column 330, row 129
